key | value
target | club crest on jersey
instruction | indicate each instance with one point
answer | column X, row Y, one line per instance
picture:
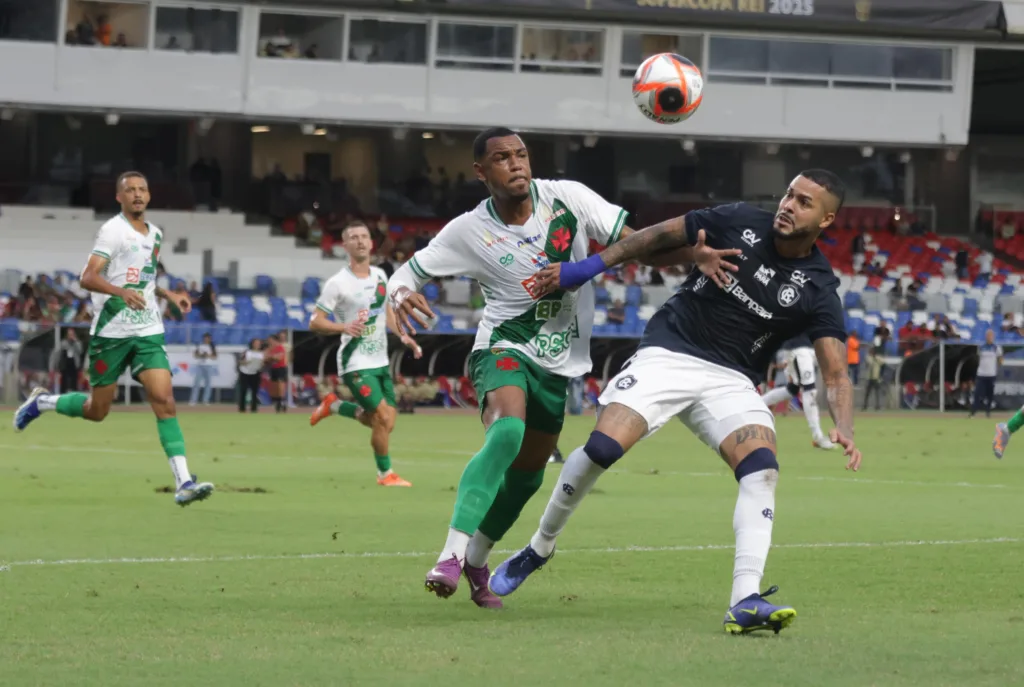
column 132, row 277
column 764, row 274
column 799, row 278
column 788, row 295
column 749, row 237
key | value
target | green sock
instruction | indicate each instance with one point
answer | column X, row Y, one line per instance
column 71, row 404
column 383, row 462
column 516, row 489
column 1016, row 422
column 347, row 409
column 171, row 437
column 482, row 477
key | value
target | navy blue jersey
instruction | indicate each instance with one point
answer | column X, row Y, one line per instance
column 769, row 300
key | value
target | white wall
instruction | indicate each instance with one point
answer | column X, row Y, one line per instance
column 328, row 92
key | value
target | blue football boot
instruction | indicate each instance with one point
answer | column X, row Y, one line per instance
column 513, row 572
column 754, row 613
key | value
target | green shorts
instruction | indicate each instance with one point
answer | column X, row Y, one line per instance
column 370, row 387
column 545, row 392
column 109, row 358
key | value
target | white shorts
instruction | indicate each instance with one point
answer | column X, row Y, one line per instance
column 800, row 370
column 711, row 400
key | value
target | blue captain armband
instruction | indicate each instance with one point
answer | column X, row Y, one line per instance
column 573, row 274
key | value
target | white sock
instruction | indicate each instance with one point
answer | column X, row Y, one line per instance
column 752, row 522
column 335, row 406
column 574, row 482
column 776, row 395
column 179, row 466
column 479, row 549
column 455, row 546
column 812, row 413
column 47, row 401
column 383, row 474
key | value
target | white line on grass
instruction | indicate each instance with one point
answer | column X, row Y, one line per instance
column 436, row 465
column 424, row 554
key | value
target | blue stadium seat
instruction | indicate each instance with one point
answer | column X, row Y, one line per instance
column 265, row 284
column 9, row 330
column 851, row 300
column 634, row 295
column 431, row 292
column 310, row 288
column 970, row 307
column 444, row 323
column 174, row 332
column 601, row 295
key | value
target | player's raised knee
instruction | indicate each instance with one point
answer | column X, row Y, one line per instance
column 506, row 434
column 603, row 450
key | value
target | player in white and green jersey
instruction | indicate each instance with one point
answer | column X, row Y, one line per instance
column 127, row 332
column 357, row 299
column 527, row 346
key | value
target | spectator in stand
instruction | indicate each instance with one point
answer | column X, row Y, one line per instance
column 896, row 299
column 84, row 312
column 27, row 289
column 121, row 41
column 883, row 334
column 942, row 328
column 206, row 305
column 67, row 361
column 914, row 301
column 1007, row 324
column 858, row 250
column 853, row 356
column 617, row 313
column 961, row 264
column 193, row 291
column 1009, row 229
column 104, row 32
column 984, row 262
column 30, row 311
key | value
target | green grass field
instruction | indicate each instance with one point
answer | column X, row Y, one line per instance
column 908, row 573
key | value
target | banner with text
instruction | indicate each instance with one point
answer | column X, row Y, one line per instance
column 940, row 15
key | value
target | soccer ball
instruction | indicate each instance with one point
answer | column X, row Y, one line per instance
column 668, row 88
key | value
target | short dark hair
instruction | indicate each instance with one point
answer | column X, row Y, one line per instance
column 129, row 175
column 480, row 142
column 354, row 223
column 829, row 181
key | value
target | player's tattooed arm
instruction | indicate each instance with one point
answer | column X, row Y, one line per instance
column 831, row 354
column 659, row 239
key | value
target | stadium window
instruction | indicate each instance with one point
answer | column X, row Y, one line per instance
column 196, row 30
column 562, row 51
column 475, row 46
column 299, row 36
column 924, row 64
column 28, row 21
column 107, row 24
column 738, row 55
column 386, row 41
column 862, row 60
column 637, row 47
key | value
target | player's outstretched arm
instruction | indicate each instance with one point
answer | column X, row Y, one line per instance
column 831, row 354
column 92, row 280
column 183, row 302
column 407, row 341
column 408, row 305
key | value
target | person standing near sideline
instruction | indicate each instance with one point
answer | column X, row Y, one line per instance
column 250, row 365
column 990, row 357
column 205, row 356
column 67, row 361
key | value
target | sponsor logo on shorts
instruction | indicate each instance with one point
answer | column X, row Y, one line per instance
column 788, row 295
column 497, row 351
column 133, row 275
column 100, row 366
column 626, row 382
column 365, row 391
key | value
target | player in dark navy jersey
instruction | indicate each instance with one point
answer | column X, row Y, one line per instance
column 800, row 377
column 700, row 358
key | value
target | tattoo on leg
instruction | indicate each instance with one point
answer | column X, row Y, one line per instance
column 754, row 432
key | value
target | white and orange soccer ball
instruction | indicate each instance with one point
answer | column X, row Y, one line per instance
column 668, row 88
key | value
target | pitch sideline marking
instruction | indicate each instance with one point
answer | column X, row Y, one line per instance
column 423, row 554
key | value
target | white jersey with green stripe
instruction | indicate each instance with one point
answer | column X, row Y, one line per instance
column 554, row 330
column 359, row 299
column 131, row 264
